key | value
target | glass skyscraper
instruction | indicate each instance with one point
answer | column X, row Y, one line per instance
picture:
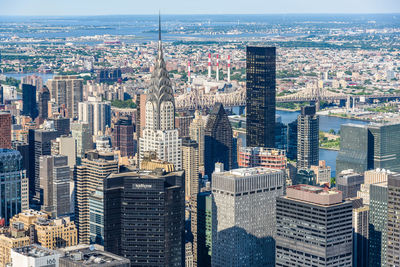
column 307, row 138
column 260, row 96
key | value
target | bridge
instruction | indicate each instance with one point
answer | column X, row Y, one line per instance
column 199, row 100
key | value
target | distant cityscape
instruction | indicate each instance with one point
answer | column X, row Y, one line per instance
column 205, row 140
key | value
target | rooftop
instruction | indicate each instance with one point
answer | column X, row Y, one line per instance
column 314, row 194
column 243, row 172
column 35, row 251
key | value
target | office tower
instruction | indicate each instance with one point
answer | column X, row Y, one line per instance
column 305, row 176
column 322, row 172
column 393, row 221
column 182, row 123
column 40, row 146
column 324, row 212
column 29, row 101
column 43, row 102
column 67, row 91
column 49, row 233
column 243, row 222
column 1, row 95
column 349, row 182
column 262, row 157
column 292, row 140
column 378, row 208
column 196, row 133
column 65, row 145
column 97, row 114
column 103, row 143
column 34, row 80
column 217, row 140
column 90, row 256
column 23, row 149
column 96, row 215
column 360, row 236
column 160, row 134
column 34, row 256
column 371, row 177
column 62, row 125
column 89, row 175
column 201, row 224
column 133, row 228
column 281, row 134
column 108, row 75
column 190, row 164
column 13, row 184
column 55, row 184
column 260, row 96
column 123, row 137
column 366, row 147
column 14, row 238
column 81, row 133
column 5, row 130
column 307, row 138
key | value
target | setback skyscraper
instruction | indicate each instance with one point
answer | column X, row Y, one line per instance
column 260, row 96
column 314, row 228
column 144, row 217
column 307, row 138
column 218, row 140
column 243, row 222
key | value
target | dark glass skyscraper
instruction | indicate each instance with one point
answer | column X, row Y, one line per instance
column 44, row 98
column 29, row 101
column 218, row 139
column 260, row 96
column 307, row 138
column 123, row 137
column 144, row 217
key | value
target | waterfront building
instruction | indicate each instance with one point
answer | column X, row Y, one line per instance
column 67, row 91
column 133, row 228
column 160, row 134
column 97, row 114
column 349, row 182
column 29, row 101
column 260, row 96
column 243, row 216
column 262, row 157
column 55, row 185
column 5, row 130
column 13, row 184
column 89, row 175
column 218, row 140
column 307, row 138
column 325, row 212
column 393, row 221
column 378, row 206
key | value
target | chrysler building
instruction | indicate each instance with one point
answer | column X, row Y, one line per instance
column 160, row 135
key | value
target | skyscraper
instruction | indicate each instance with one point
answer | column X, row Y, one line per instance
column 201, row 224
column 190, row 160
column 43, row 103
column 97, row 114
column 360, row 236
column 55, row 183
column 218, row 140
column 324, row 212
column 96, row 216
column 366, row 147
column 243, row 222
column 393, row 221
column 133, row 228
column 29, row 101
column 67, row 91
column 5, row 130
column 196, row 133
column 89, row 175
column 123, row 137
column 81, row 133
column 160, row 135
column 13, row 184
column 292, row 140
column 378, row 206
column 307, row 138
column 62, row 125
column 349, row 182
column 260, row 96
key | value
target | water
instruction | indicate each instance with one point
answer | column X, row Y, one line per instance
column 325, row 124
column 19, row 76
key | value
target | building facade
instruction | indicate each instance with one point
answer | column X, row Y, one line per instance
column 29, row 101
column 196, row 133
column 349, row 182
column 260, row 96
column 5, row 130
column 97, row 114
column 243, row 210
column 324, row 212
column 190, row 160
column 81, row 133
column 262, row 157
column 360, row 236
column 393, row 221
column 123, row 137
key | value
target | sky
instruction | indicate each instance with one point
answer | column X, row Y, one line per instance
column 124, row 7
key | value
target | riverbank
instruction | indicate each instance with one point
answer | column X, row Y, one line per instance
column 288, row 109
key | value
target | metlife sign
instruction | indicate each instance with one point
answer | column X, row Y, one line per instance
column 142, row 186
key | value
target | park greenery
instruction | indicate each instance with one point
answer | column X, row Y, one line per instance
column 123, row 104
column 328, row 143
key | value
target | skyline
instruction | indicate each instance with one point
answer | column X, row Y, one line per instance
column 207, row 7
